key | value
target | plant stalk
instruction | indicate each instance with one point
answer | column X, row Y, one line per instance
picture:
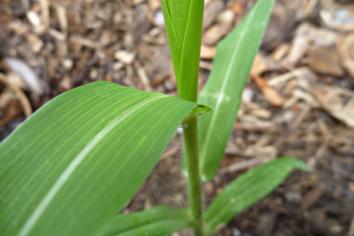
column 194, row 180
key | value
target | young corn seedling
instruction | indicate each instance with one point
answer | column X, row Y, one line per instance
column 78, row 161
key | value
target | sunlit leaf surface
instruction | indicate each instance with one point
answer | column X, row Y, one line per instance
column 79, row 160
column 223, row 91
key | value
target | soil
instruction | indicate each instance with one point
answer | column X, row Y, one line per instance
column 299, row 102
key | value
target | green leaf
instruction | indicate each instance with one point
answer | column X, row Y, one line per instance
column 223, row 91
column 157, row 221
column 248, row 189
column 183, row 20
column 79, row 160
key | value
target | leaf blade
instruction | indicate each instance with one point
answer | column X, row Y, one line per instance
column 248, row 189
column 157, row 221
column 227, row 81
column 94, row 120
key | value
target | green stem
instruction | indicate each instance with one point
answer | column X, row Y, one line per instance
column 194, row 182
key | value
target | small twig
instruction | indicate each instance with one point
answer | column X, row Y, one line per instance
column 143, row 76
column 287, row 76
column 45, row 12
column 324, row 146
column 27, row 109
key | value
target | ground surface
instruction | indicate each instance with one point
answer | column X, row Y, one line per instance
column 300, row 99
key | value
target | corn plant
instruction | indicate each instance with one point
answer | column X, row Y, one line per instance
column 77, row 162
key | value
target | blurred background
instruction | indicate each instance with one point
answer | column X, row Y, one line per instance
column 299, row 101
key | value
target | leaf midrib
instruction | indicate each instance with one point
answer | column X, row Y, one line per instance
column 223, row 88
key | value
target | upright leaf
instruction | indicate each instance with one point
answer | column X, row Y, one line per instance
column 223, row 91
column 80, row 159
column 159, row 221
column 183, row 20
column 248, row 189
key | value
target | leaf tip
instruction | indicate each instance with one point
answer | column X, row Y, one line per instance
column 296, row 163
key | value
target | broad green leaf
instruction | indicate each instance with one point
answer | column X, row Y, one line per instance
column 183, row 20
column 248, row 189
column 223, row 91
column 79, row 160
column 159, row 221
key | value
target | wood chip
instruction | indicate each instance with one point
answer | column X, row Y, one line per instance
column 207, row 52
column 337, row 101
column 272, row 96
column 263, row 64
column 212, row 10
column 345, row 48
column 215, row 33
column 312, row 197
column 124, row 56
column 325, row 60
